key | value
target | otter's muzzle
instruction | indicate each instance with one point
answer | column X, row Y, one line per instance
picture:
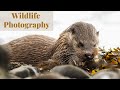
column 89, row 57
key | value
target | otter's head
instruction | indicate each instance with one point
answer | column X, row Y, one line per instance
column 84, row 39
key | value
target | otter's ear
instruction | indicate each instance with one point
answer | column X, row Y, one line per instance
column 73, row 30
column 98, row 33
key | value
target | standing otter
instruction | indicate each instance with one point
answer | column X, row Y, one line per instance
column 77, row 45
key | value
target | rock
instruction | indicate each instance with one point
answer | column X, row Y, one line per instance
column 71, row 71
column 110, row 73
column 25, row 71
column 49, row 75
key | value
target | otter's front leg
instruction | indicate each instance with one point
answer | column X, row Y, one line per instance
column 47, row 65
column 66, row 58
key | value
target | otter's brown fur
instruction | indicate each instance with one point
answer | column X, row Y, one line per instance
column 72, row 47
column 77, row 41
column 31, row 49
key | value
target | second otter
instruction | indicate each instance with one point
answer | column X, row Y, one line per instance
column 77, row 45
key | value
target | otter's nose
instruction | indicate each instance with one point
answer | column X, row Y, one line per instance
column 89, row 56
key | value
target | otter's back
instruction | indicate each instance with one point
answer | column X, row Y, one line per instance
column 30, row 49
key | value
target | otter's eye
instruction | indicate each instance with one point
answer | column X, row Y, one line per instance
column 80, row 44
column 94, row 45
column 73, row 31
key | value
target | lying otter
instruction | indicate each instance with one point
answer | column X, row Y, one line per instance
column 77, row 45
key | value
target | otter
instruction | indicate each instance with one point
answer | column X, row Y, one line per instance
column 77, row 45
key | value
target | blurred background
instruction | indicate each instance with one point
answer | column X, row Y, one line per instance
column 106, row 22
